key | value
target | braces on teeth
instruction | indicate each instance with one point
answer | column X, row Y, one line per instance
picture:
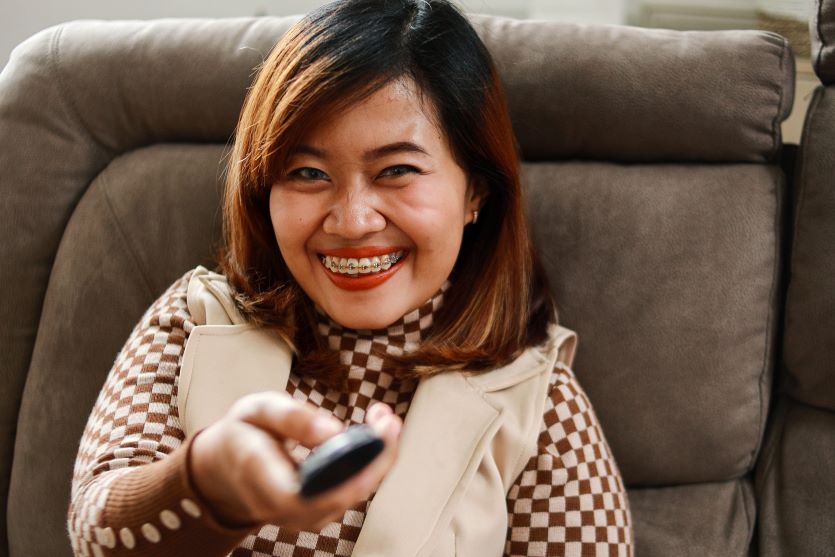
column 361, row 266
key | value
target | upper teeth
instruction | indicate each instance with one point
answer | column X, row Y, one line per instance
column 362, row 265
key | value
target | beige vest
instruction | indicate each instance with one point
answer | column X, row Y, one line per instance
column 464, row 442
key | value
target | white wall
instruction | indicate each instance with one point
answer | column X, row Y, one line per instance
column 20, row 19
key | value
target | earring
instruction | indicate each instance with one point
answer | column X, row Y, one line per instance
column 475, row 217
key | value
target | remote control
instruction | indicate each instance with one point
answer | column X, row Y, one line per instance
column 338, row 458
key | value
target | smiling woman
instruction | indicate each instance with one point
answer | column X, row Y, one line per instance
column 371, row 225
column 376, row 268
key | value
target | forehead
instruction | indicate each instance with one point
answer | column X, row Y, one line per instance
column 398, row 111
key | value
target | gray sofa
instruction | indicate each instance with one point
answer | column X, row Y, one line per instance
column 690, row 249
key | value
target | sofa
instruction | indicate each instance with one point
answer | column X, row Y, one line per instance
column 685, row 243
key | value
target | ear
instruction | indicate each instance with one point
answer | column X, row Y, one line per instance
column 476, row 196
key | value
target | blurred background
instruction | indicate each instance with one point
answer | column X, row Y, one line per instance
column 19, row 19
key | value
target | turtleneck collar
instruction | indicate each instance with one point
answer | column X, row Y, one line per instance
column 402, row 336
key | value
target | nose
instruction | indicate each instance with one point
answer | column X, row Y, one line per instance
column 354, row 215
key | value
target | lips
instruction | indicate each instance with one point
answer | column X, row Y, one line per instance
column 361, row 276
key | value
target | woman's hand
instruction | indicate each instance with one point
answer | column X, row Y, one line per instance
column 241, row 466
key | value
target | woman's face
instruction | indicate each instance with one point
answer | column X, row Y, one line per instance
column 371, row 209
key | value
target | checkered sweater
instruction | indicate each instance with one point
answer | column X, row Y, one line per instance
column 132, row 493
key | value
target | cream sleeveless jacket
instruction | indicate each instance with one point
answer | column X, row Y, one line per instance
column 465, row 438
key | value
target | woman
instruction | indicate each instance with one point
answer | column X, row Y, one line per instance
column 373, row 226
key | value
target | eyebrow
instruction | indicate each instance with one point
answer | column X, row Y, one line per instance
column 370, row 155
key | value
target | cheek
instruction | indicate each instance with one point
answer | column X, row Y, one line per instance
column 436, row 215
column 435, row 228
column 293, row 221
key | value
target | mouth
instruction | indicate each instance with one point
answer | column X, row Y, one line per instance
column 361, row 268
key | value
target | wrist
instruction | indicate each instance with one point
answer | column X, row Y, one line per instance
column 211, row 490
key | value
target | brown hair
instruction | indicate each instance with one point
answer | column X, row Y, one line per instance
column 499, row 302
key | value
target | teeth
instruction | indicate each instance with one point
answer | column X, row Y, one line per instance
column 364, row 265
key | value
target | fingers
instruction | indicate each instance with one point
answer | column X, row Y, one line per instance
column 360, row 486
column 286, row 418
column 267, row 473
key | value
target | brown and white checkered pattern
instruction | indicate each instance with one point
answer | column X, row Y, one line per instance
column 569, row 500
column 367, row 383
column 134, row 420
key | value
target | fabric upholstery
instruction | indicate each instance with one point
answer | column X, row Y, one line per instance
column 94, row 227
column 795, row 483
column 822, row 31
column 149, row 214
column 629, row 121
column 694, row 520
column 669, row 274
column 810, row 304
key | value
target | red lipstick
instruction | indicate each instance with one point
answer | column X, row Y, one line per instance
column 362, row 281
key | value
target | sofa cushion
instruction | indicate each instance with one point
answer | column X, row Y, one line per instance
column 582, row 90
column 822, row 31
column 810, row 305
column 152, row 215
column 694, row 520
column 670, row 276
column 795, row 483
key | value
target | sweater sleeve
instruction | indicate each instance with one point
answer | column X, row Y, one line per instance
column 570, row 499
column 132, row 493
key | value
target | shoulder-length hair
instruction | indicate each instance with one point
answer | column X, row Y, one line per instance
column 499, row 302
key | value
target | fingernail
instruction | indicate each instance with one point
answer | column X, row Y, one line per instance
column 387, row 424
column 325, row 426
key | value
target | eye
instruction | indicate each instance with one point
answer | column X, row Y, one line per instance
column 308, row 174
column 399, row 170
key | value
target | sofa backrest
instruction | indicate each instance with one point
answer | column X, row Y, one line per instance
column 653, row 194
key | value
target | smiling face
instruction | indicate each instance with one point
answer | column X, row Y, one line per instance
column 371, row 209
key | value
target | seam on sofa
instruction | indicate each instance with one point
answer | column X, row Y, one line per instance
column 125, row 238
column 749, row 521
column 770, row 321
column 768, row 456
column 776, row 133
column 63, row 89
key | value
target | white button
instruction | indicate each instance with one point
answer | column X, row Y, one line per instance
column 127, row 538
column 151, row 533
column 108, row 537
column 97, row 550
column 190, row 507
column 169, row 519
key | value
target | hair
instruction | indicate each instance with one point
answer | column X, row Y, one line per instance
column 498, row 303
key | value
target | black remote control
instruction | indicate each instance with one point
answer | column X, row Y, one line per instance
column 338, row 458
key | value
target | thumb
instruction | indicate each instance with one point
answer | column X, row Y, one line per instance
column 286, row 418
